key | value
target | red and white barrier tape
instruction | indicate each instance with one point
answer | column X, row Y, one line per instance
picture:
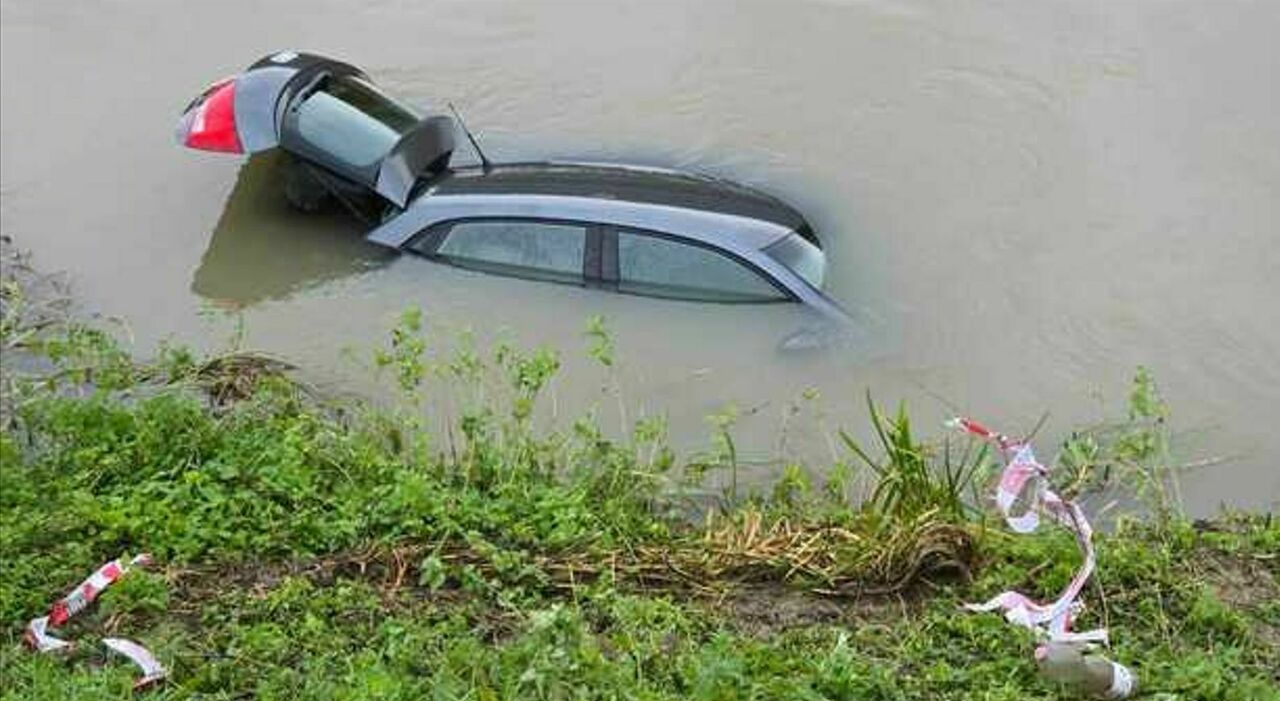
column 37, row 633
column 1022, row 472
column 152, row 670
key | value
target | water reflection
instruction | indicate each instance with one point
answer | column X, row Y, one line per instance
column 262, row 248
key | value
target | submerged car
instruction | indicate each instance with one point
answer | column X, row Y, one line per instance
column 636, row 230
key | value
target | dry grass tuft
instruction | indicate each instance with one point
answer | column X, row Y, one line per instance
column 236, row 376
column 835, row 560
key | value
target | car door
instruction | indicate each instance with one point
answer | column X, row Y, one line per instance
column 534, row 249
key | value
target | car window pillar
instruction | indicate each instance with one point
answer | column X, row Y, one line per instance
column 591, row 255
column 609, row 257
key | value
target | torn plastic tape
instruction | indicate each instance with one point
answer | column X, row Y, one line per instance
column 89, row 589
column 1022, row 472
column 37, row 634
column 152, row 670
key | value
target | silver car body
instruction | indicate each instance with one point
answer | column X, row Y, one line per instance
column 744, row 237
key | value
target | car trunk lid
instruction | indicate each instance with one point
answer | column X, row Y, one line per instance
column 326, row 112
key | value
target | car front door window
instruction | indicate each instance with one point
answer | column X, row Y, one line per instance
column 660, row 267
column 522, row 248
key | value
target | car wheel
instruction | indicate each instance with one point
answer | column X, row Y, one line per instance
column 303, row 189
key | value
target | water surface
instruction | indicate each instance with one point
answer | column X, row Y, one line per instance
column 1022, row 202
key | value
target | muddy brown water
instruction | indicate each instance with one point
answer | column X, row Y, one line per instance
column 1022, row 201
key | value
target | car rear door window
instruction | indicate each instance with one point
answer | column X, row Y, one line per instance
column 523, row 248
column 661, row 267
column 350, row 120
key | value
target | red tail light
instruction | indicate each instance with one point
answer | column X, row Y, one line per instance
column 209, row 124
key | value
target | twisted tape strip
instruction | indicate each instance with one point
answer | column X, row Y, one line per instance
column 1022, row 472
column 38, row 637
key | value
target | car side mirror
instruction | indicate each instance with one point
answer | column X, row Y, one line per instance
column 806, row 338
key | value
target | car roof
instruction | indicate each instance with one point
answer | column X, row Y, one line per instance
column 695, row 207
column 641, row 185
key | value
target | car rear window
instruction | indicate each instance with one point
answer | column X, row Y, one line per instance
column 351, row 120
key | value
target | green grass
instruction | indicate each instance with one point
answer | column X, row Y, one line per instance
column 334, row 551
column 351, row 637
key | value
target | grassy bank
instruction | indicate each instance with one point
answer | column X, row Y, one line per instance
column 315, row 549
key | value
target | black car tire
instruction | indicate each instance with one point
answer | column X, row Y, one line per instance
column 303, row 189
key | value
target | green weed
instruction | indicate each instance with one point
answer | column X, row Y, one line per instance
column 1132, row 455
column 910, row 482
column 308, row 552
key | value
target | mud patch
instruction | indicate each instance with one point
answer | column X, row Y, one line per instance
column 760, row 609
column 763, row 611
column 1246, row 582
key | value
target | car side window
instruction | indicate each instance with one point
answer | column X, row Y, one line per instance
column 522, row 248
column 661, row 267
